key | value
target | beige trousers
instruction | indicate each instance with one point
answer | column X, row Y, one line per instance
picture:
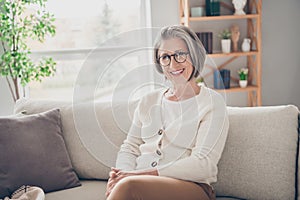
column 146, row 187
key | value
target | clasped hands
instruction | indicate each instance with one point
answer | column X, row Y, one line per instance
column 115, row 175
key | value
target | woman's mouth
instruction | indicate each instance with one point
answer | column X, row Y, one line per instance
column 177, row 72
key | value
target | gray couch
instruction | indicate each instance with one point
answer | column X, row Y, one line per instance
column 260, row 159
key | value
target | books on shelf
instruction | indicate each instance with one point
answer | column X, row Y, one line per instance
column 222, row 79
column 212, row 7
column 207, row 40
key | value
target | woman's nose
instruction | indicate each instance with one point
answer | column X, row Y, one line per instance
column 173, row 62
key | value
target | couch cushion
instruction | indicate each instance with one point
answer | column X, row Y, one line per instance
column 33, row 152
column 93, row 132
column 91, row 190
column 259, row 159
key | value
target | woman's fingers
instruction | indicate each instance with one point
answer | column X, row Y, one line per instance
column 115, row 169
column 110, row 185
column 115, row 176
column 114, row 180
column 112, row 174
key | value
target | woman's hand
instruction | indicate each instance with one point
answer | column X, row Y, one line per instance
column 112, row 180
column 115, row 175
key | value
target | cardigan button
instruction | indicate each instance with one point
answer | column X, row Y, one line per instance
column 153, row 164
column 160, row 132
column 158, row 152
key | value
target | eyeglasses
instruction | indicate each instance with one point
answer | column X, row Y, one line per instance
column 179, row 57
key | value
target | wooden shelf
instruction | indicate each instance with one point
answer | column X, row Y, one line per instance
column 223, row 17
column 252, row 59
column 238, row 89
column 233, row 54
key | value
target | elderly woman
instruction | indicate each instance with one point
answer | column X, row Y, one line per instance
column 178, row 133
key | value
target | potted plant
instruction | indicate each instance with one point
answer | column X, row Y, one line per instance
column 243, row 75
column 16, row 27
column 200, row 81
column 225, row 40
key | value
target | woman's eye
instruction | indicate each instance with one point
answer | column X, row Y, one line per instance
column 165, row 57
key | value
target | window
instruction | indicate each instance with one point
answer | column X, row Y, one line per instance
column 95, row 48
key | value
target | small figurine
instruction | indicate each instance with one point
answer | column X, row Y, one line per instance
column 235, row 35
column 246, row 45
column 239, row 6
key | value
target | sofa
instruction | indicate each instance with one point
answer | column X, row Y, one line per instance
column 259, row 162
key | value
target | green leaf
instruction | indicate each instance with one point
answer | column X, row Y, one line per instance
column 15, row 28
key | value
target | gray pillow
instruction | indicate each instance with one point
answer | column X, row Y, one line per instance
column 93, row 131
column 33, row 152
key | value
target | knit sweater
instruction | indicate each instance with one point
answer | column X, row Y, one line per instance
column 189, row 148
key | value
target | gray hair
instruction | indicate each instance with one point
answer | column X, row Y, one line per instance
column 193, row 43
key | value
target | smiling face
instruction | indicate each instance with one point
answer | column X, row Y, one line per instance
column 176, row 72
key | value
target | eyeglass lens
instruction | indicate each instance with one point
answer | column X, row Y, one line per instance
column 179, row 57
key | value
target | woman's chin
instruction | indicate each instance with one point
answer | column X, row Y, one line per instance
column 179, row 79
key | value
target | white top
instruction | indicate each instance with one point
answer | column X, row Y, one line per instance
column 188, row 146
column 173, row 110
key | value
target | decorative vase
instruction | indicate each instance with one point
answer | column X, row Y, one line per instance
column 226, row 45
column 246, row 45
column 243, row 83
column 239, row 6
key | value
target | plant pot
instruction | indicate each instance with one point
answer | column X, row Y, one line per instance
column 226, row 45
column 243, row 83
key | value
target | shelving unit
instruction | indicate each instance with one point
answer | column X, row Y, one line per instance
column 253, row 18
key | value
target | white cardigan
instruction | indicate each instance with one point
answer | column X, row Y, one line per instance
column 188, row 149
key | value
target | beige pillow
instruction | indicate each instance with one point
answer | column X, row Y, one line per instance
column 259, row 159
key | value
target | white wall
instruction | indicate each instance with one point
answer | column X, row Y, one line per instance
column 164, row 12
column 280, row 52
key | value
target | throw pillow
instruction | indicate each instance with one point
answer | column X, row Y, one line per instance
column 93, row 131
column 33, row 152
column 259, row 158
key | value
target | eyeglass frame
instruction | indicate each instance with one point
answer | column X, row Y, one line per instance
column 170, row 57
